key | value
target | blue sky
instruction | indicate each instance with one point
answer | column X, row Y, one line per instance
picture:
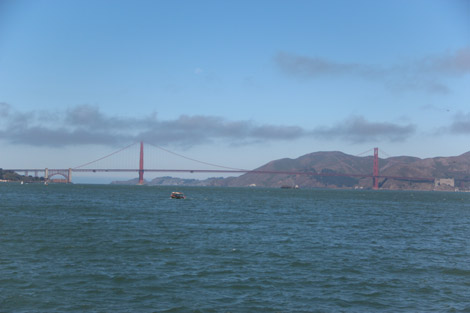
column 237, row 83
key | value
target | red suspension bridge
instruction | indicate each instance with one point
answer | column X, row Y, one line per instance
column 95, row 167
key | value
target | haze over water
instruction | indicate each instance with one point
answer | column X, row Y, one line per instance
column 75, row 248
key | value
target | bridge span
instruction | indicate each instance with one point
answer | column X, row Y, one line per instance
column 66, row 173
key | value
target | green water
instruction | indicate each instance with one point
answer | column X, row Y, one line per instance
column 98, row 248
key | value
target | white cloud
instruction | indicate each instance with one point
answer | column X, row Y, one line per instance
column 88, row 125
column 427, row 74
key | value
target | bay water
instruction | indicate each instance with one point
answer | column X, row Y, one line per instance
column 107, row 248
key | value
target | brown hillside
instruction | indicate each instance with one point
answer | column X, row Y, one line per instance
column 340, row 163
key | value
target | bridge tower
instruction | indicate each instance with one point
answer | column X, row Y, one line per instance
column 375, row 178
column 141, row 164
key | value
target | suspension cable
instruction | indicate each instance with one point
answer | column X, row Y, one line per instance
column 194, row 160
column 386, row 154
column 370, row 150
column 106, row 156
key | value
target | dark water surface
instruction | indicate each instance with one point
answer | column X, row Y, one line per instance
column 76, row 248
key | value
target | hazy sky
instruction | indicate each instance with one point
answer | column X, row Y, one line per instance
column 237, row 83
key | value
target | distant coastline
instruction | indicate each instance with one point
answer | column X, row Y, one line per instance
column 12, row 177
column 331, row 170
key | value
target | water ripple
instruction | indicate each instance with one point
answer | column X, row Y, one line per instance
column 97, row 249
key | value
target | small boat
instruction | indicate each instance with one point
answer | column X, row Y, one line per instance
column 177, row 195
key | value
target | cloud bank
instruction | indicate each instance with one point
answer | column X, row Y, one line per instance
column 357, row 129
column 427, row 74
column 84, row 124
column 460, row 124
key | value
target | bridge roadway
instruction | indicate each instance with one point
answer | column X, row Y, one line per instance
column 241, row 171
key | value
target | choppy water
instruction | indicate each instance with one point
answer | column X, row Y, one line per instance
column 132, row 249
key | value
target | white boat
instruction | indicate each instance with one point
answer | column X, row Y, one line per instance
column 177, row 195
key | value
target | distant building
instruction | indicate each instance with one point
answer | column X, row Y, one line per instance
column 438, row 182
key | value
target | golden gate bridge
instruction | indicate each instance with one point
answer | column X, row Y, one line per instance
column 88, row 168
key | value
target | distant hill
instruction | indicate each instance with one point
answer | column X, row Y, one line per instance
column 336, row 162
column 173, row 181
column 15, row 177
